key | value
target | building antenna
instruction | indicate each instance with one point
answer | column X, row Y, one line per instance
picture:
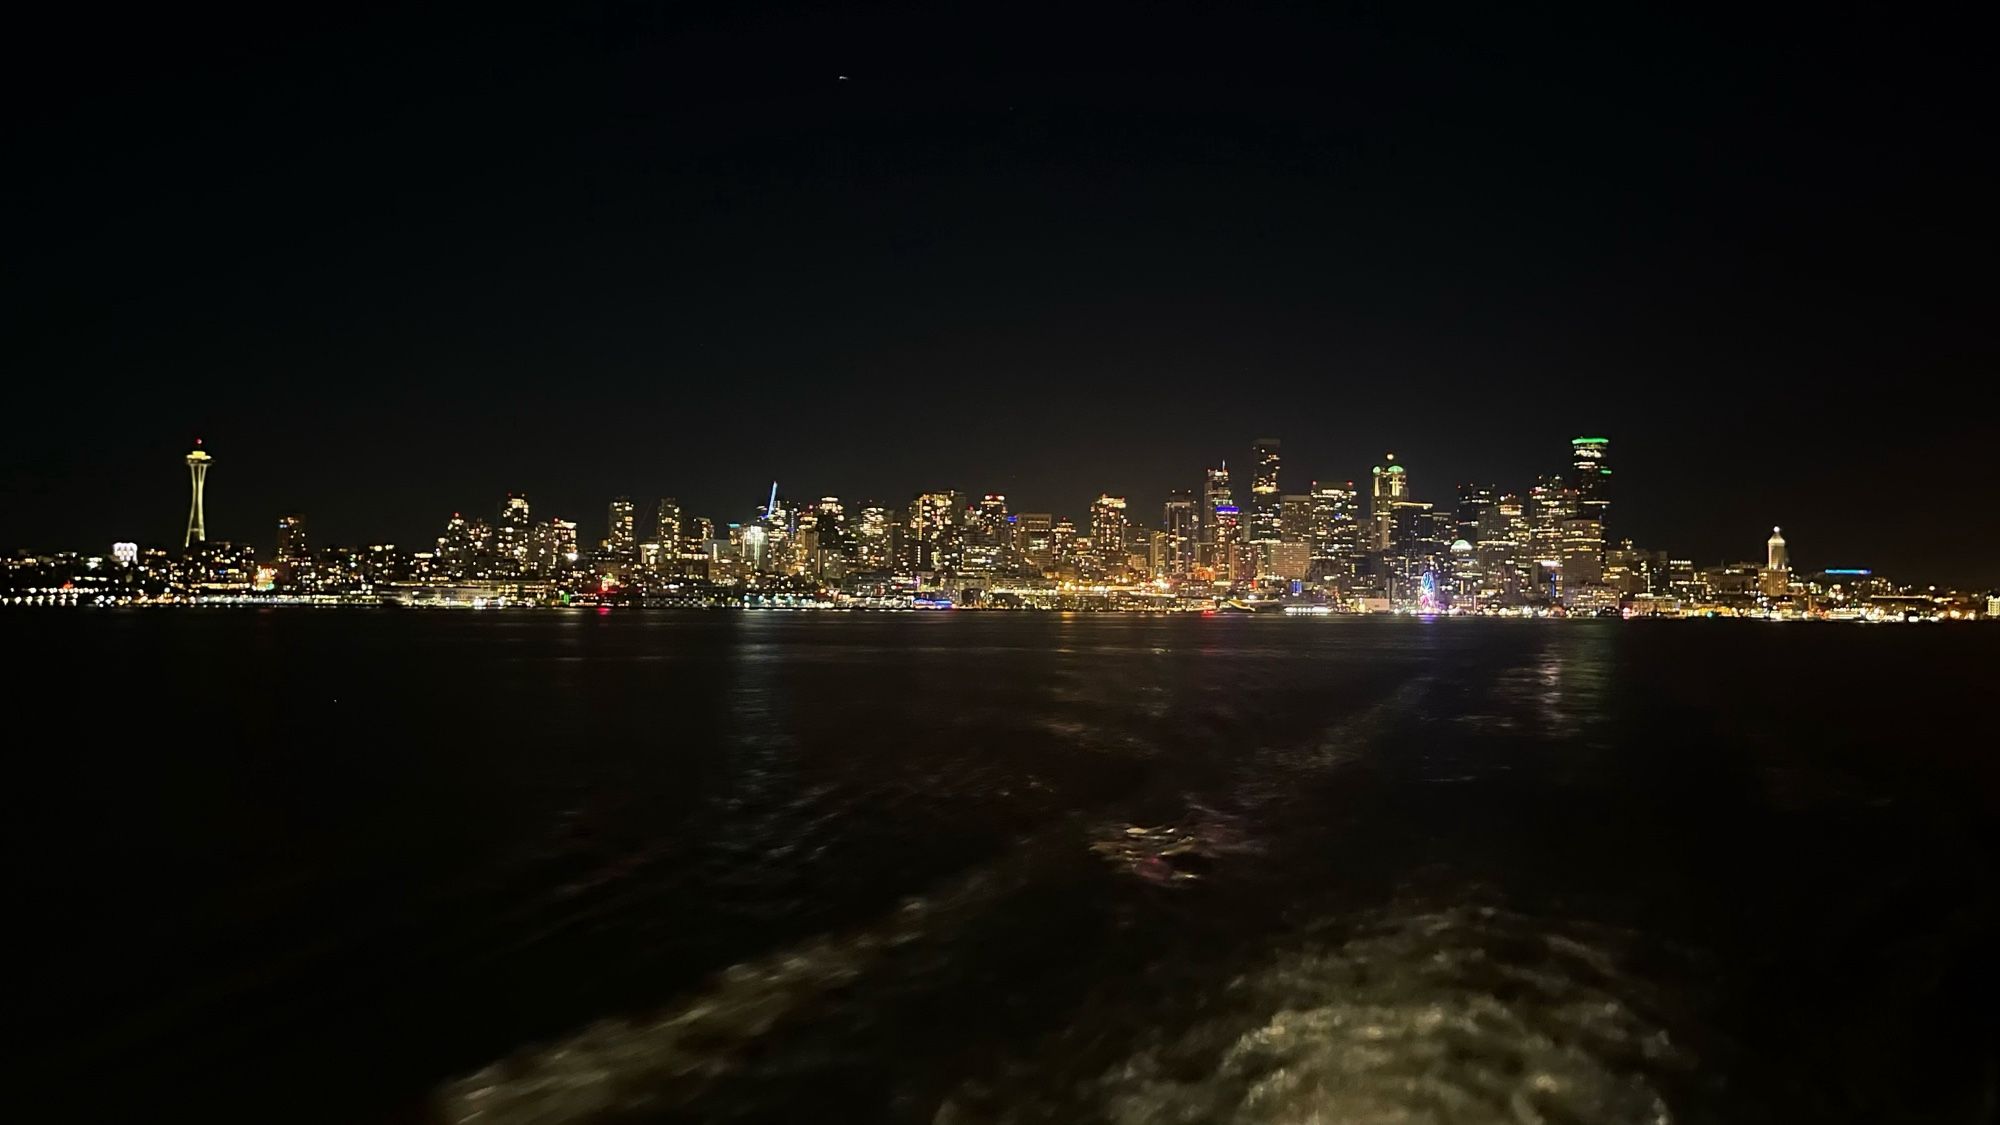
column 771, row 508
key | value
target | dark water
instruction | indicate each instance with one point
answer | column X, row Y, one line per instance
column 313, row 866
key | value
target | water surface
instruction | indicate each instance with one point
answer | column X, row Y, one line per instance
column 311, row 866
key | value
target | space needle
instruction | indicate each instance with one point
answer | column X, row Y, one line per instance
column 197, row 462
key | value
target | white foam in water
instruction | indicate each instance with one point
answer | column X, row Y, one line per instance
column 616, row 1069
column 1461, row 1016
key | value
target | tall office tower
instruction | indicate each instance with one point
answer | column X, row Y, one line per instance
column 1592, row 479
column 197, row 528
column 1107, row 532
column 1468, row 575
column 1183, row 536
column 750, row 543
column 1295, row 513
column 1226, row 552
column 1474, row 502
column 1500, row 539
column 988, row 534
column 623, row 539
column 1550, row 502
column 833, row 530
column 933, row 537
column 455, row 548
column 510, row 531
column 667, row 527
column 1335, row 533
column 1068, row 557
column 834, row 546
column 543, row 558
column 292, row 539
column 779, row 549
column 1035, row 541
column 1215, row 495
column 1582, row 552
column 874, row 541
column 1414, row 548
column 1775, row 580
column 1263, row 525
column 702, row 533
column 1391, row 486
column 803, row 551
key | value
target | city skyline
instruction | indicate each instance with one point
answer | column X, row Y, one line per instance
column 1388, row 544
column 689, row 253
column 1140, row 501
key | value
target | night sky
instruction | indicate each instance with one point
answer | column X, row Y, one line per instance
column 393, row 268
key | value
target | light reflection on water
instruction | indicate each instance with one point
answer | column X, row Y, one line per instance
column 1011, row 868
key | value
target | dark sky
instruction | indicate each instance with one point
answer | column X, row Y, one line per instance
column 390, row 268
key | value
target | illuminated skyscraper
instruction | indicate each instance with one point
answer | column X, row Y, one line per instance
column 292, row 538
column 1035, row 542
column 197, row 528
column 1215, row 493
column 1502, row 541
column 1391, row 486
column 1227, row 551
column 1551, row 504
column 1592, row 478
column 1417, row 548
column 1582, row 553
column 1264, row 523
column 1183, row 535
column 622, row 540
column 933, row 536
column 1107, row 532
column 1294, row 530
column 1474, row 501
column 667, row 526
column 1336, row 534
column 831, row 553
column 989, row 534
column 511, row 532
column 1220, row 523
column 1775, row 579
column 1295, row 518
column 874, row 539
column 1068, row 557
